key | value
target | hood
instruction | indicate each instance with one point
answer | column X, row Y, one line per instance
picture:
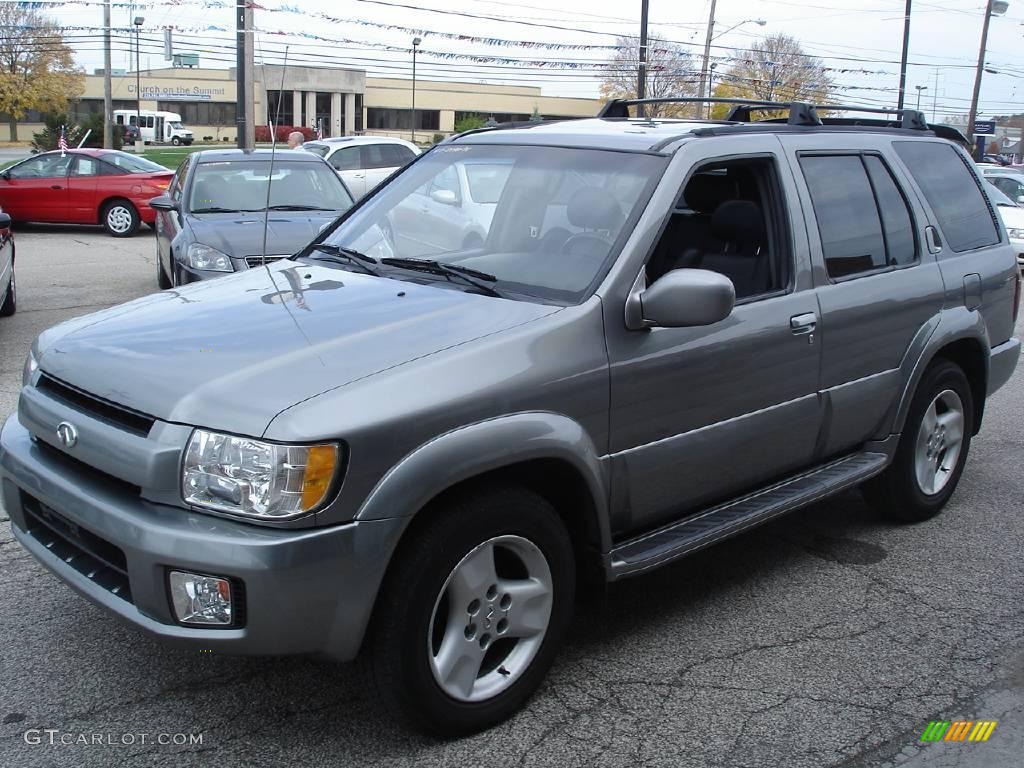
column 241, row 234
column 232, row 353
column 1012, row 216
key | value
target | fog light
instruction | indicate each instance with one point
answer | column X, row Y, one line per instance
column 200, row 599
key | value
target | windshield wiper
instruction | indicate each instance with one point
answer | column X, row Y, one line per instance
column 473, row 277
column 343, row 255
column 215, row 209
column 298, row 208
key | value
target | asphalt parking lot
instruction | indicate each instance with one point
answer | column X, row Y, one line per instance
column 830, row 638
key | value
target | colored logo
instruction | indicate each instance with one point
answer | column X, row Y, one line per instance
column 958, row 730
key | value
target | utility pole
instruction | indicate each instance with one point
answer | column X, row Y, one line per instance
column 415, row 47
column 919, row 89
column 108, row 101
column 999, row 7
column 641, row 75
column 935, row 94
column 707, row 52
column 903, row 58
column 243, row 77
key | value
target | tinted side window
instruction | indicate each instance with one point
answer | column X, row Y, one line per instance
column 178, row 182
column 896, row 221
column 954, row 196
column 396, row 155
column 848, row 221
column 373, row 156
column 346, row 159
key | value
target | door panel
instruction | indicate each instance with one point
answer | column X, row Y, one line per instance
column 82, row 183
column 37, row 188
column 701, row 413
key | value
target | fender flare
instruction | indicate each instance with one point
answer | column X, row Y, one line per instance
column 956, row 324
column 469, row 451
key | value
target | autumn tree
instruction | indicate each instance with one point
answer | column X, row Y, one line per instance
column 774, row 69
column 37, row 70
column 671, row 71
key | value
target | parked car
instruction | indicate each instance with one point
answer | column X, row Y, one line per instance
column 211, row 220
column 999, row 170
column 8, row 287
column 1012, row 215
column 673, row 331
column 84, row 186
column 995, row 160
column 1010, row 183
column 130, row 134
column 363, row 161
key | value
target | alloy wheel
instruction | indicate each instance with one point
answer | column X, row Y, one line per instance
column 939, row 441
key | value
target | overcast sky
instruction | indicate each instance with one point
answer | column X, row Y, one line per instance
column 866, row 35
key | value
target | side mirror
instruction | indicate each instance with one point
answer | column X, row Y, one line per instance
column 163, row 203
column 688, row 297
column 6, row 175
column 5, row 220
column 444, row 196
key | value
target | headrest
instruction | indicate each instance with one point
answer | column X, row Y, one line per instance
column 594, row 208
column 738, row 221
column 706, row 191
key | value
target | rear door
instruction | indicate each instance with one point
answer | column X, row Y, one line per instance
column 346, row 161
column 36, row 189
column 879, row 288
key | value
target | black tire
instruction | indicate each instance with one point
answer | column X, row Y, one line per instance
column 10, row 305
column 897, row 492
column 161, row 277
column 176, row 141
column 120, row 218
column 403, row 628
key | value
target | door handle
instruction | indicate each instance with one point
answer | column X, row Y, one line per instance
column 934, row 241
column 56, row 186
column 803, row 324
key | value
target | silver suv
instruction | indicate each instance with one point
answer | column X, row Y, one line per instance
column 668, row 332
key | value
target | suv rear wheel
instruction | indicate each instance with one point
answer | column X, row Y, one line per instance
column 932, row 450
column 473, row 611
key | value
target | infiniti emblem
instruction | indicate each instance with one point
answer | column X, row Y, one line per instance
column 67, row 434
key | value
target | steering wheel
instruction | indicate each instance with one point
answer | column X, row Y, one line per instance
column 572, row 245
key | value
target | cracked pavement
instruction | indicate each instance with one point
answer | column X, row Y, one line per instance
column 828, row 638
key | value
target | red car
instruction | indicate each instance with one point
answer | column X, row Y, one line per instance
column 84, row 186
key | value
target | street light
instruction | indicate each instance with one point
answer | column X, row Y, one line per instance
column 138, row 22
column 993, row 8
column 415, row 46
column 759, row 22
column 919, row 89
column 711, row 85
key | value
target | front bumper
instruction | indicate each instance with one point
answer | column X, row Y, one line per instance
column 305, row 591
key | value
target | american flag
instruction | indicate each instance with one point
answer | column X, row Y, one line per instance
column 320, row 128
column 62, row 142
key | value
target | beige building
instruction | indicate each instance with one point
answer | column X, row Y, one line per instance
column 345, row 101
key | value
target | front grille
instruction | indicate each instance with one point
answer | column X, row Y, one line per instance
column 258, row 261
column 98, row 408
column 95, row 558
column 57, row 455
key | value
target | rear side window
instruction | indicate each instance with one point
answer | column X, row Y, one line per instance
column 962, row 211
column 396, row 155
column 848, row 219
column 897, row 226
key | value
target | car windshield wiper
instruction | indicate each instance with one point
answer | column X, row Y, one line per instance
column 214, row 209
column 298, row 208
column 473, row 277
column 343, row 255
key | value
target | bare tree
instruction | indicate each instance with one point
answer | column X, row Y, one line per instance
column 775, row 69
column 37, row 70
column 670, row 72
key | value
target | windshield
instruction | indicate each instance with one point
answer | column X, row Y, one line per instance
column 997, row 195
column 132, row 164
column 176, row 126
column 242, row 186
column 544, row 221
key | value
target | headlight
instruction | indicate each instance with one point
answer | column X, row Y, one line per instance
column 256, row 478
column 204, row 257
column 31, row 366
column 1015, row 234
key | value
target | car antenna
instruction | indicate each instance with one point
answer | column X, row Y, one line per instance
column 273, row 151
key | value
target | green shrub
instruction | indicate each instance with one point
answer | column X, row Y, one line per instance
column 469, row 123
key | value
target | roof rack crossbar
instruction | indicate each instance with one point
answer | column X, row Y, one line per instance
column 800, row 113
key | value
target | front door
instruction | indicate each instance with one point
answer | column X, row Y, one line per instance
column 83, row 204
column 168, row 223
column 702, row 414
column 36, row 189
column 347, row 163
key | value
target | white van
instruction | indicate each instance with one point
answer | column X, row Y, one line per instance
column 155, row 127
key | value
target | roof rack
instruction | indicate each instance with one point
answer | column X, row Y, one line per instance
column 800, row 113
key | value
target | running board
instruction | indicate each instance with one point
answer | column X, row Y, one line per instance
column 717, row 523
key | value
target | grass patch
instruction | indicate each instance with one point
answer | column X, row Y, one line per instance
column 170, row 157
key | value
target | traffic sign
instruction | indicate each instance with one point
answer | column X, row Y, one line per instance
column 984, row 127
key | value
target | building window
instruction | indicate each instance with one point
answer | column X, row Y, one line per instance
column 221, row 114
column 323, row 112
column 386, row 119
column 83, row 108
column 279, row 107
column 359, row 113
column 499, row 117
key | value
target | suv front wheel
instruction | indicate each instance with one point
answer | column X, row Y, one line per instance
column 932, row 450
column 474, row 610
